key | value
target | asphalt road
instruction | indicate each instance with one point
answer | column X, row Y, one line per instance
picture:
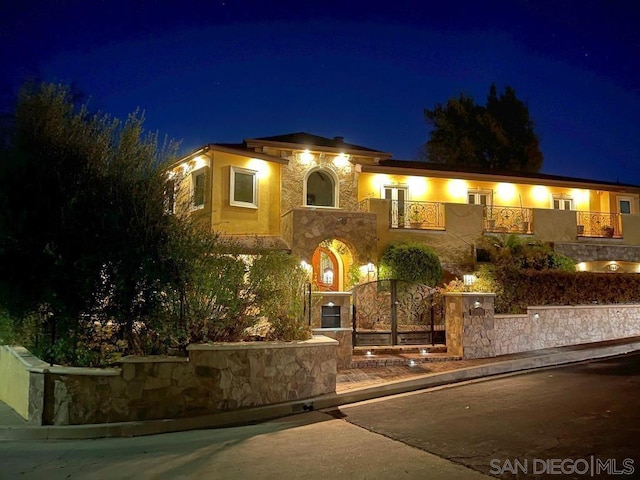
column 524, row 426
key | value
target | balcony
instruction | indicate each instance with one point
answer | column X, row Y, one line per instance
column 470, row 221
column 416, row 215
column 409, row 214
column 497, row 219
column 599, row 224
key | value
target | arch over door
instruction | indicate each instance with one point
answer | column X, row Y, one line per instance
column 326, row 270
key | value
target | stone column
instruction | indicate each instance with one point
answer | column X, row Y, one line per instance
column 469, row 324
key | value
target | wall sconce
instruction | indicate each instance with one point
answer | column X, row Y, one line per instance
column 306, row 157
column 477, row 304
column 536, row 316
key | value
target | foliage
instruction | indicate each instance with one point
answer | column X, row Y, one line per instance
column 278, row 283
column 523, row 253
column 497, row 136
column 513, row 256
column 410, row 261
column 82, row 225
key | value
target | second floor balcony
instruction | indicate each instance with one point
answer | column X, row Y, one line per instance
column 546, row 224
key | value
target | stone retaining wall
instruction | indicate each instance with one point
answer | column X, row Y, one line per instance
column 215, row 377
column 548, row 327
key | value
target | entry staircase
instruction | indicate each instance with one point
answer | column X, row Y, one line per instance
column 399, row 355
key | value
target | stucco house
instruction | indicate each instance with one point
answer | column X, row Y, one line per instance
column 337, row 205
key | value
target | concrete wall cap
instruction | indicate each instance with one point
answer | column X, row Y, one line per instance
column 320, row 330
column 85, row 371
column 153, row 359
column 25, row 357
column 533, row 309
column 316, row 341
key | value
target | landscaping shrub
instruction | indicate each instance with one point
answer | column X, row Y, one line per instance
column 414, row 262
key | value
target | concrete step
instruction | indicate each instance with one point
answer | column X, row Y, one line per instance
column 398, row 349
column 374, row 360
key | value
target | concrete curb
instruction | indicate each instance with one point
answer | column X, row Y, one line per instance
column 269, row 412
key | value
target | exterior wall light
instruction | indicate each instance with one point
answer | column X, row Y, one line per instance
column 536, row 316
column 477, row 304
column 341, row 161
column 469, row 279
column 306, row 157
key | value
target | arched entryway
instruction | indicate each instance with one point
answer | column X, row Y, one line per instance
column 332, row 264
column 326, row 270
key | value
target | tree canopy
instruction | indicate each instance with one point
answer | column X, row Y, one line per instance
column 83, row 231
column 412, row 262
column 497, row 136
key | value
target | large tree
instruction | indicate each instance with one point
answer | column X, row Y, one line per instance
column 497, row 136
column 83, row 231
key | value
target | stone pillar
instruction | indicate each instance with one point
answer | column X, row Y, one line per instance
column 344, row 336
column 469, row 324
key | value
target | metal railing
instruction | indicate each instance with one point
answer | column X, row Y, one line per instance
column 599, row 224
column 499, row 219
column 417, row 215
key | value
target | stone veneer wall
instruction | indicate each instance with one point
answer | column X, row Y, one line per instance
column 293, row 176
column 215, row 377
column 559, row 326
column 341, row 299
column 589, row 252
column 344, row 336
column 470, row 326
column 304, row 228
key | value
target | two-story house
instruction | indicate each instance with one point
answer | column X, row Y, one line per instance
column 337, row 206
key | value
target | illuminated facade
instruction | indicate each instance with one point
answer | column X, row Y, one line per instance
column 337, row 205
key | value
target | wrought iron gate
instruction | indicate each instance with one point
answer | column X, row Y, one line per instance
column 396, row 312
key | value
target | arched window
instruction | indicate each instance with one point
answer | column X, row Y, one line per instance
column 321, row 189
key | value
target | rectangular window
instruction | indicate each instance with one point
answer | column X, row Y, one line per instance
column 244, row 188
column 561, row 202
column 625, row 205
column 198, row 188
column 479, row 198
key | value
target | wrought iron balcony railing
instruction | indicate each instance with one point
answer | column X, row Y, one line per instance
column 599, row 224
column 417, row 215
column 507, row 219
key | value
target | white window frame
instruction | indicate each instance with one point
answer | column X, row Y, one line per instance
column 194, row 175
column 624, row 198
column 336, row 188
column 232, row 187
column 476, row 196
column 398, row 215
column 562, row 199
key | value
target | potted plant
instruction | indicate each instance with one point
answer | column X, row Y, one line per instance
column 607, row 231
column 415, row 219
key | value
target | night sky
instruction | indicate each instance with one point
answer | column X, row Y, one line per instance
column 221, row 71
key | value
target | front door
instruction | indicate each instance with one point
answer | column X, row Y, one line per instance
column 326, row 270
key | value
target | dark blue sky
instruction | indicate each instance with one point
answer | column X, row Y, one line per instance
column 220, row 71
